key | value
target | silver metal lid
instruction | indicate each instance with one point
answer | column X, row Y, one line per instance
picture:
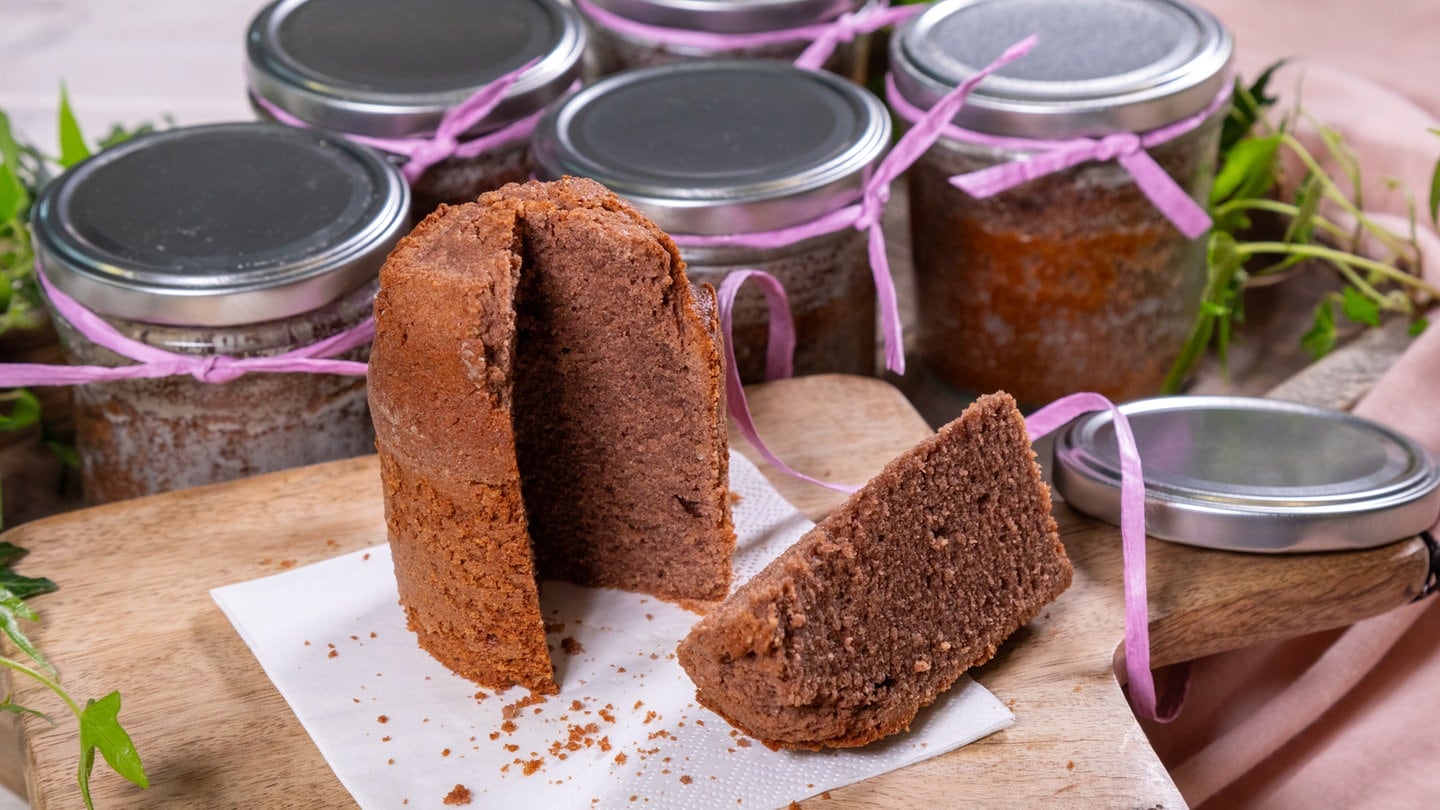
column 719, row 147
column 220, row 225
column 1250, row 474
column 1099, row 66
column 387, row 69
column 728, row 16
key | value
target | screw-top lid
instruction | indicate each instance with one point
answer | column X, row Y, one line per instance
column 220, row 225
column 1252, row 474
column 387, row 69
column 728, row 16
column 719, row 147
column 1099, row 66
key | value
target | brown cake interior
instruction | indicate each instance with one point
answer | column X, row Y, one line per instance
column 545, row 385
column 617, row 401
column 877, row 610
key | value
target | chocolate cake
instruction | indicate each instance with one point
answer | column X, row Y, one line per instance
column 916, row 578
column 546, row 391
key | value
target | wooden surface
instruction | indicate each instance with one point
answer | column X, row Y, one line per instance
column 134, row 614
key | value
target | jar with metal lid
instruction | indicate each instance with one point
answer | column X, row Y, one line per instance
column 1057, row 224
column 215, row 245
column 736, row 160
column 643, row 33
column 400, row 76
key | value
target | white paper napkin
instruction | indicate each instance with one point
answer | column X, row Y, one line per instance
column 399, row 729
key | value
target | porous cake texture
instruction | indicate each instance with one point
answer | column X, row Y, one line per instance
column 547, row 395
column 876, row 611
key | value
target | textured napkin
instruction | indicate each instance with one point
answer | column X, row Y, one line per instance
column 400, row 729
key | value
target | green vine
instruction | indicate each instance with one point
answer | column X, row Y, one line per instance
column 24, row 170
column 1254, row 151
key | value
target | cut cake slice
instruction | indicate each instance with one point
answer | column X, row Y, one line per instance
column 877, row 610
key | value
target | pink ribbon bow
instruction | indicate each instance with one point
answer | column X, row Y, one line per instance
column 866, row 216
column 1047, row 157
column 447, row 140
column 316, row 358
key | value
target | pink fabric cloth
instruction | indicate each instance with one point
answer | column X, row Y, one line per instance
column 1344, row 718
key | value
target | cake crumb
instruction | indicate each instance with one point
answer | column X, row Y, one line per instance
column 382, row 719
column 620, row 758
column 685, row 779
column 532, row 766
column 508, row 726
column 458, row 795
column 571, row 646
column 333, row 654
column 513, row 709
column 445, row 752
column 743, row 742
column 1070, row 766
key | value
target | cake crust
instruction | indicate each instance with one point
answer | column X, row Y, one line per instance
column 545, row 386
column 875, row 612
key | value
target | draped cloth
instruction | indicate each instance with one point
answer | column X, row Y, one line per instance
column 1347, row 717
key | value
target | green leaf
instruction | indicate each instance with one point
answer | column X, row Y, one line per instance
column 72, row 142
column 12, row 610
column 11, row 553
column 1246, row 106
column 9, row 706
column 1321, row 337
column 1359, row 308
column 24, row 409
column 100, row 729
column 1417, row 326
column 26, row 587
column 1248, row 170
column 14, row 198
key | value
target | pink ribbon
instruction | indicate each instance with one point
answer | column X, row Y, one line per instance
column 446, row 142
column 824, row 36
column 866, row 216
column 315, row 358
column 1048, row 157
column 1132, row 544
column 779, row 353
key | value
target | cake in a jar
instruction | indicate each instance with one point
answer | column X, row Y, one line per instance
column 870, row 616
column 546, row 387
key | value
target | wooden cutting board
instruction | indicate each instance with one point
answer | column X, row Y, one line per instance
column 134, row 614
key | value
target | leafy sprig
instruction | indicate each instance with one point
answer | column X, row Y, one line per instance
column 24, row 170
column 1250, row 183
column 99, row 720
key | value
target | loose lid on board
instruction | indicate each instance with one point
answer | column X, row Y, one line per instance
column 1252, row 474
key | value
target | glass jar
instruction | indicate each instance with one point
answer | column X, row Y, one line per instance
column 724, row 155
column 200, row 242
column 619, row 39
column 383, row 70
column 1073, row 280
